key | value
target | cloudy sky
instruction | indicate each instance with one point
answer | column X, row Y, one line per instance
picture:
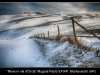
column 49, row 7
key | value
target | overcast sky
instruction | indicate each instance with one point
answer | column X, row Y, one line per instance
column 49, row 7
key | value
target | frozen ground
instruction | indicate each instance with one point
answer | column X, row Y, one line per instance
column 18, row 50
column 21, row 53
column 63, row 54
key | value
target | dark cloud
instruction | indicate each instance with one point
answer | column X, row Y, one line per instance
column 49, row 7
column 6, row 10
column 92, row 6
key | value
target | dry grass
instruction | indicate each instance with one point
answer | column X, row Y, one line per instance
column 71, row 40
column 59, row 38
column 80, row 44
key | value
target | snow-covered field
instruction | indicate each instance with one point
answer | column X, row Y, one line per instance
column 21, row 53
column 18, row 50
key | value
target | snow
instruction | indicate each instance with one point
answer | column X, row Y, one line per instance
column 29, row 22
column 21, row 53
column 90, row 41
column 58, row 53
column 18, row 50
column 5, row 18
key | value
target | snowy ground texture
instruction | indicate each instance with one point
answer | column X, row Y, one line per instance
column 64, row 54
column 18, row 50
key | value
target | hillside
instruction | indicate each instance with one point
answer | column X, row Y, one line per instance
column 17, row 49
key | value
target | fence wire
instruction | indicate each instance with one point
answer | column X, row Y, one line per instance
column 91, row 24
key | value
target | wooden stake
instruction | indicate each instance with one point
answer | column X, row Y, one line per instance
column 44, row 35
column 41, row 35
column 86, row 29
column 48, row 34
column 74, row 31
column 58, row 37
column 38, row 35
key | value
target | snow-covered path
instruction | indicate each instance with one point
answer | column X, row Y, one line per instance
column 21, row 53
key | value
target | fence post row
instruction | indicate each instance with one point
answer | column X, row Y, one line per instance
column 74, row 31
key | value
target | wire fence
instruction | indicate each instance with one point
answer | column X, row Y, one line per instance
column 86, row 31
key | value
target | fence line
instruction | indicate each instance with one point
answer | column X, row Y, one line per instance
column 59, row 36
column 85, row 28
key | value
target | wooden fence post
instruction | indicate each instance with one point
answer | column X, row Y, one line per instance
column 58, row 37
column 48, row 34
column 36, row 36
column 74, row 31
column 86, row 29
column 41, row 35
column 44, row 35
